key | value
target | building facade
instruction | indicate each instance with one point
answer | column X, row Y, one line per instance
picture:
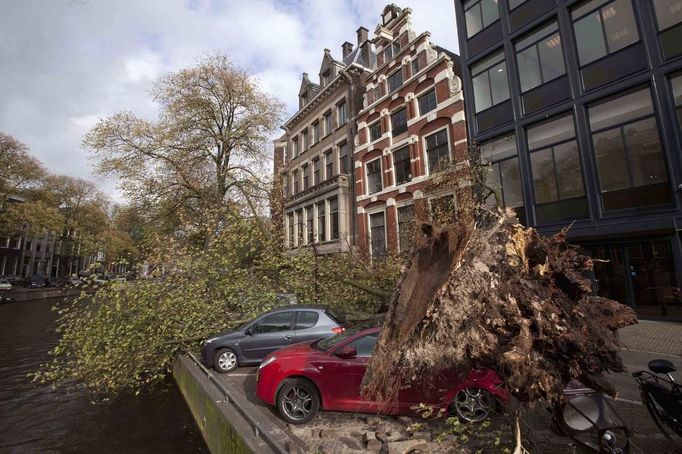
column 314, row 156
column 576, row 105
column 411, row 122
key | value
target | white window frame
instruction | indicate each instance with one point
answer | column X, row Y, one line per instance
column 381, row 174
column 381, row 209
column 424, row 154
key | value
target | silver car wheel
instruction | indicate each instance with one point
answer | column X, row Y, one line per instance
column 473, row 404
column 227, row 361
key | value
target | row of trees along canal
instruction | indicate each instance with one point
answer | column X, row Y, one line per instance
column 34, row 201
column 199, row 192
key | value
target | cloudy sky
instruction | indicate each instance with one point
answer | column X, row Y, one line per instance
column 66, row 63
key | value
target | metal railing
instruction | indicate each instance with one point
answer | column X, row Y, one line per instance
column 258, row 430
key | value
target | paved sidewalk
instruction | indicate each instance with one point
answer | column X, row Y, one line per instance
column 653, row 336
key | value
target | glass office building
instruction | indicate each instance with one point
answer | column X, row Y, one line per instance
column 577, row 105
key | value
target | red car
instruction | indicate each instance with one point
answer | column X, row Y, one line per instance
column 327, row 374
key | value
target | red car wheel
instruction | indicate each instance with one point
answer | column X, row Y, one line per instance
column 298, row 400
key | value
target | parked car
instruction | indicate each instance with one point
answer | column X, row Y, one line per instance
column 327, row 374
column 251, row 342
column 5, row 284
column 36, row 281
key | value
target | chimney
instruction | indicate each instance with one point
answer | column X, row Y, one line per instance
column 347, row 49
column 363, row 35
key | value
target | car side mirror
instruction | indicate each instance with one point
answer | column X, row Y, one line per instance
column 347, row 352
column 248, row 332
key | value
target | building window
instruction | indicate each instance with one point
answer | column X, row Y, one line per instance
column 391, row 50
column 315, row 137
column 299, row 227
column 328, row 128
column 405, row 227
column 334, row 218
column 297, row 184
column 344, row 168
column 377, row 234
column 540, row 57
column 306, row 179
column 294, row 146
column 321, row 222
column 285, row 185
column 602, row 28
column 676, row 83
column 304, row 135
column 395, row 80
column 489, row 79
column 437, row 150
column 415, row 66
column 375, row 131
column 316, row 171
column 290, row 226
column 329, row 164
column 557, row 172
column 309, row 218
column 478, row 14
column 504, row 176
column 374, row 176
column 399, row 122
column 341, row 113
column 628, row 151
column 326, row 77
column 402, row 166
column 427, row 102
column 377, row 92
column 668, row 18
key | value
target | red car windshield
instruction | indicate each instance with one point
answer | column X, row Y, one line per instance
column 326, row 344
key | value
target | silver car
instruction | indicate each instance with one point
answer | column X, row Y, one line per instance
column 254, row 340
column 5, row 284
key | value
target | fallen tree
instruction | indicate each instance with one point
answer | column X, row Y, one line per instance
column 486, row 292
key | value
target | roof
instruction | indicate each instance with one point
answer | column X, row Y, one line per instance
column 456, row 59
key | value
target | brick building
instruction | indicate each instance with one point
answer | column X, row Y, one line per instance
column 412, row 118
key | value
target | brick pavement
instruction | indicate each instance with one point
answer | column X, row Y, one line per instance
column 653, row 336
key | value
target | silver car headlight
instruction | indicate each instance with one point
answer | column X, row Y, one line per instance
column 266, row 362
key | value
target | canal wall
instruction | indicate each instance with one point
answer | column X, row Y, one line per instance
column 225, row 418
column 26, row 294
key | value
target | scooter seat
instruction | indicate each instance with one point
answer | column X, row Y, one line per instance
column 661, row 366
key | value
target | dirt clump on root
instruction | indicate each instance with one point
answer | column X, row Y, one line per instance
column 500, row 297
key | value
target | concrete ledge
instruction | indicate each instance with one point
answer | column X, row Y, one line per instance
column 22, row 294
column 223, row 426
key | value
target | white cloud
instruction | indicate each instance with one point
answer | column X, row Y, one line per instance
column 67, row 63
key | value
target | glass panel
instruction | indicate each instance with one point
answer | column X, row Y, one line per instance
column 644, row 152
column 499, row 83
column 589, row 37
column 474, row 20
column 493, row 182
column 620, row 25
column 551, row 58
column 544, row 181
column 588, row 6
column 611, row 160
column 552, row 132
column 376, row 222
column 306, row 319
column 273, row 323
column 427, row 102
column 499, row 149
column 481, row 84
column 515, row 3
column 621, row 109
column 529, row 68
column 668, row 13
column 610, row 274
column 364, row 346
column 676, row 83
column 490, row 12
column 406, row 226
column 568, row 170
column 536, row 36
column 511, row 182
column 487, row 63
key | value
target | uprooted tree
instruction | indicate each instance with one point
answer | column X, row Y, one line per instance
column 482, row 291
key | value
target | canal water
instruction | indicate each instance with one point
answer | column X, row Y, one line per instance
column 36, row 418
